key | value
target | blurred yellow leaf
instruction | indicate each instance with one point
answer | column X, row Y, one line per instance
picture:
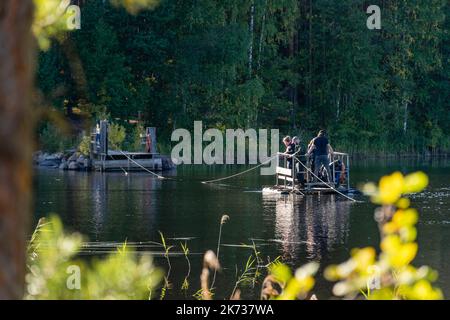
column 415, row 182
column 407, row 217
column 397, row 253
column 423, row 290
column 281, row 272
column 382, row 294
column 391, row 188
column 369, row 188
column 363, row 259
column 408, row 234
column 331, row 273
column 403, row 203
column 393, row 272
column 390, row 227
column 306, row 270
column 297, row 288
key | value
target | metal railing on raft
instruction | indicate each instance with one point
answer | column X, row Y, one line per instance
column 345, row 160
column 288, row 169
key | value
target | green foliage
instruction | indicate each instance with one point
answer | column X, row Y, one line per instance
column 303, row 65
column 133, row 141
column 166, row 248
column 247, row 276
column 116, row 136
column 52, row 253
column 84, row 146
column 185, row 284
column 52, row 139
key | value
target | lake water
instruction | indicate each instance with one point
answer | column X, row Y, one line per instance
column 110, row 208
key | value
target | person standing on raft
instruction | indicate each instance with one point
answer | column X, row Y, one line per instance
column 322, row 150
column 290, row 149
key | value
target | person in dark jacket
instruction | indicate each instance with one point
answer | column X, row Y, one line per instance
column 299, row 161
column 321, row 149
column 298, row 147
column 290, row 149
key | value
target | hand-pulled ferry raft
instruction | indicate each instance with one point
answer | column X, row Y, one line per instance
column 296, row 174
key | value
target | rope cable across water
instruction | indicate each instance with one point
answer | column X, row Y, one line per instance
column 248, row 170
column 144, row 168
column 329, row 186
column 124, row 171
column 241, row 173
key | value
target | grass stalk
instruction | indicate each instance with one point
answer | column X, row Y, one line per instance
column 185, row 249
column 246, row 276
column 166, row 255
column 223, row 220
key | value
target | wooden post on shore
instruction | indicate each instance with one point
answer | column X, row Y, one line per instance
column 103, row 142
column 151, row 134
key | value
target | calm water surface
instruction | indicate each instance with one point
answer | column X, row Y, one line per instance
column 115, row 207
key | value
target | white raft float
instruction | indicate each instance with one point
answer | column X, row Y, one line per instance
column 299, row 179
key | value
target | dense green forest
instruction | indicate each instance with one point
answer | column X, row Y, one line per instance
column 296, row 65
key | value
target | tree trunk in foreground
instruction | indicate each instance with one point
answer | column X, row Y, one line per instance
column 16, row 75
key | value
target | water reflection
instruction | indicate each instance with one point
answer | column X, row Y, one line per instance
column 129, row 203
column 102, row 206
column 99, row 201
column 114, row 207
column 311, row 224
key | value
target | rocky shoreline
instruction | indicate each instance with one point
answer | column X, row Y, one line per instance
column 73, row 160
column 70, row 160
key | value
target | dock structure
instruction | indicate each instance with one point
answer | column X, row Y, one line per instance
column 295, row 175
column 130, row 161
column 104, row 159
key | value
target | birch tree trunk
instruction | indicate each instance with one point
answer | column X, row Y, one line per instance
column 310, row 55
column 261, row 36
column 405, row 117
column 251, row 31
column 16, row 70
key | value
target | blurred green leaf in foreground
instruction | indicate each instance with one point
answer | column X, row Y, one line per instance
column 54, row 267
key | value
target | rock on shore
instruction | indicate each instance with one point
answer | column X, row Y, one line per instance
column 75, row 161
column 68, row 161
